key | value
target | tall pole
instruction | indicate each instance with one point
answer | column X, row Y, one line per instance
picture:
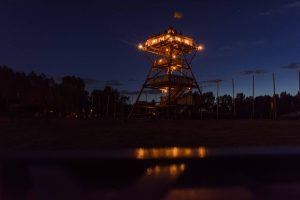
column 218, row 100
column 107, row 105
column 274, row 98
column 233, row 97
column 115, row 106
column 253, row 100
column 92, row 109
column 100, row 106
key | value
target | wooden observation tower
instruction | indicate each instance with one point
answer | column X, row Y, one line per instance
column 171, row 54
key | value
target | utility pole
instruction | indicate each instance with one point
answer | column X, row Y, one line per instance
column 218, row 99
column 115, row 106
column 107, row 106
column 274, row 98
column 233, row 97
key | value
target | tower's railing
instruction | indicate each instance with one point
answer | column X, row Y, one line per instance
column 175, row 80
column 165, row 62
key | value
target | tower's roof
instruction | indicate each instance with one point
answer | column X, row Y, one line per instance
column 163, row 42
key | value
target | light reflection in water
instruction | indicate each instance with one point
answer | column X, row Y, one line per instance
column 173, row 170
column 170, row 152
column 140, row 153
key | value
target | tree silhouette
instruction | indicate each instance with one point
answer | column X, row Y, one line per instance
column 32, row 94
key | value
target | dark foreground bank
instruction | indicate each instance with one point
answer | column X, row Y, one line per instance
column 40, row 135
column 169, row 174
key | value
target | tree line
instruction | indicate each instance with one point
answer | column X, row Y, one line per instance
column 283, row 105
column 36, row 95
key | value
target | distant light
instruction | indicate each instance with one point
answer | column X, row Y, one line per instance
column 182, row 167
column 149, row 171
column 200, row 48
column 173, row 170
column 140, row 46
column 157, row 169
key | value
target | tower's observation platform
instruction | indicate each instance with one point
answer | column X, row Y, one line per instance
column 170, row 72
column 161, row 44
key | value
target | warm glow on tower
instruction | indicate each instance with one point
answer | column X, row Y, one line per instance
column 170, row 73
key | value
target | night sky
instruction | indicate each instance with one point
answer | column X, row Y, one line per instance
column 97, row 40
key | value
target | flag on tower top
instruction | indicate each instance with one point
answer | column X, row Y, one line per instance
column 178, row 15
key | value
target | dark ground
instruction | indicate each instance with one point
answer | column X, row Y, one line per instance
column 40, row 135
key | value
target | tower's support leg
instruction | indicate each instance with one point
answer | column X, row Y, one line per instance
column 134, row 105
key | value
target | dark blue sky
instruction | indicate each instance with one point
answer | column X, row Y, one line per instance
column 96, row 39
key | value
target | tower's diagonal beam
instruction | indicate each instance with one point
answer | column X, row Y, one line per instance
column 192, row 58
column 142, row 89
column 192, row 73
column 155, row 75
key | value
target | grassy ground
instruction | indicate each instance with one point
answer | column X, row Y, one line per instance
column 37, row 135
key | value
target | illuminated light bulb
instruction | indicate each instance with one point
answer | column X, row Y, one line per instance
column 163, row 90
column 173, row 170
column 167, row 50
column 160, row 60
column 182, row 167
column 200, row 47
column 178, row 39
column 140, row 46
column 173, row 68
column 174, row 56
